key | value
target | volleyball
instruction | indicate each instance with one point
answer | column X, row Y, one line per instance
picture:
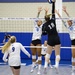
column 50, row 1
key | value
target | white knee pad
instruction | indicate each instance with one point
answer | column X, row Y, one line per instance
column 73, row 59
column 47, row 55
column 57, row 57
column 33, row 56
column 39, row 58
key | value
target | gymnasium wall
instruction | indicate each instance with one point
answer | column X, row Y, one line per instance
column 26, row 10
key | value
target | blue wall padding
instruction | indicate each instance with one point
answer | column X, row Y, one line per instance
column 25, row 39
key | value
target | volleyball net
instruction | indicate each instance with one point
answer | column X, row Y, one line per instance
column 24, row 24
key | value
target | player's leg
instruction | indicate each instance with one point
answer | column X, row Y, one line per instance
column 73, row 59
column 43, row 52
column 33, row 51
column 17, row 70
column 47, row 56
column 12, row 69
column 57, row 54
column 50, row 65
column 39, row 58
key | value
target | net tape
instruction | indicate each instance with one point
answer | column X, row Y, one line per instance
column 22, row 18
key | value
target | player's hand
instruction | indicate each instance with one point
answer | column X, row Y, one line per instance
column 64, row 8
column 56, row 12
column 40, row 9
column 46, row 9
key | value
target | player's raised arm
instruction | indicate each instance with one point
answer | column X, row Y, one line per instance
column 53, row 10
column 64, row 9
column 46, row 10
column 39, row 10
column 60, row 16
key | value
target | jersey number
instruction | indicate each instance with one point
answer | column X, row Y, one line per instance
column 51, row 26
column 13, row 49
column 37, row 29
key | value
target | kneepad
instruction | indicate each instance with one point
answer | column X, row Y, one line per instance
column 58, row 57
column 47, row 55
column 73, row 59
column 39, row 58
column 33, row 56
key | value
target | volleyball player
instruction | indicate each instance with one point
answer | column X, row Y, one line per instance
column 36, row 41
column 49, row 27
column 70, row 25
column 11, row 51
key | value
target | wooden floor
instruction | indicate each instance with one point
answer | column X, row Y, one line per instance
column 25, row 70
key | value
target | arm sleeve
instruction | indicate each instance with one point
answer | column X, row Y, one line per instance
column 53, row 10
column 64, row 22
column 37, row 18
column 74, row 21
column 5, row 57
column 44, row 32
column 24, row 50
column 35, row 21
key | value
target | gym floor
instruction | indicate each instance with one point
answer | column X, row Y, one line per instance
column 64, row 69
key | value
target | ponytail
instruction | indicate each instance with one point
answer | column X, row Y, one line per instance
column 6, row 46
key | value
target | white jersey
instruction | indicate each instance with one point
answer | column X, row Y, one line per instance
column 44, row 49
column 71, row 29
column 37, row 31
column 13, row 54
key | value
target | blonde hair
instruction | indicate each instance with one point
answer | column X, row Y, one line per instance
column 47, row 17
column 7, row 44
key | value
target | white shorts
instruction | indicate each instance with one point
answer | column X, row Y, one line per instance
column 44, row 49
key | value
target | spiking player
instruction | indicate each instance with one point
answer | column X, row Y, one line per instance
column 49, row 27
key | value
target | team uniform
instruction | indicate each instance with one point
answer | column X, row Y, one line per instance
column 13, row 54
column 44, row 49
column 71, row 30
column 37, row 31
column 50, row 28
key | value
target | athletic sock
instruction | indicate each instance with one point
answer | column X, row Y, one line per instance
column 46, row 64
